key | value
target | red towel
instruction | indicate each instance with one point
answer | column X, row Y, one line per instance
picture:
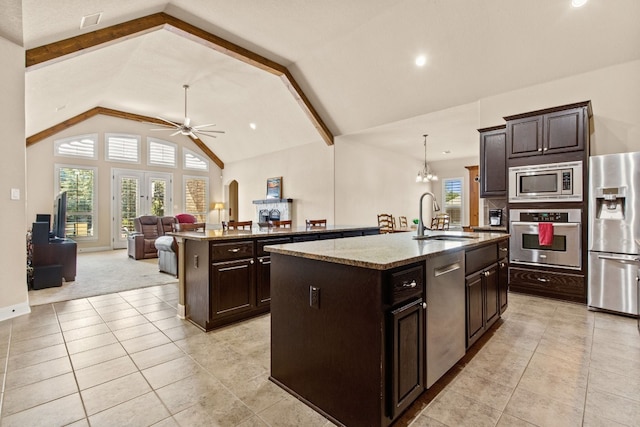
column 545, row 233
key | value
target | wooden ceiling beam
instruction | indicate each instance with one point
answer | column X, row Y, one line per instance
column 121, row 115
column 62, row 49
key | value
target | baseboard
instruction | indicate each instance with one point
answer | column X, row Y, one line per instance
column 14, row 311
column 182, row 311
column 96, row 249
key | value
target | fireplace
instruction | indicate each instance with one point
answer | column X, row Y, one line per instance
column 273, row 210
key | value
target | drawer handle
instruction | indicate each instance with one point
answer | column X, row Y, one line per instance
column 542, row 279
column 234, row 250
column 251, row 262
column 503, row 265
column 503, row 249
column 486, row 273
column 413, row 284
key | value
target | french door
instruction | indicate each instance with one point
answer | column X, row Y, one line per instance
column 138, row 193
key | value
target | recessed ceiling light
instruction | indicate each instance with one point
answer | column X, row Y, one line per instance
column 253, row 126
column 421, row 60
column 90, row 20
column 578, row 3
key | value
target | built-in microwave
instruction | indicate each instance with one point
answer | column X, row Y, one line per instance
column 550, row 182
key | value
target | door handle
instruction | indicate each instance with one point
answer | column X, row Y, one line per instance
column 622, row 260
column 446, row 269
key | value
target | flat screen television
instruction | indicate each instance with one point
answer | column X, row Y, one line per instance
column 60, row 215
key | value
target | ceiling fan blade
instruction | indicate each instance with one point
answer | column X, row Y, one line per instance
column 176, row 133
column 176, row 125
column 203, row 126
column 199, row 132
column 193, row 135
column 208, row 131
column 167, row 128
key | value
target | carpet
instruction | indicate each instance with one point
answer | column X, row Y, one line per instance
column 99, row 273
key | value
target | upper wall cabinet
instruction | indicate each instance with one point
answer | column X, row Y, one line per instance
column 545, row 132
column 493, row 162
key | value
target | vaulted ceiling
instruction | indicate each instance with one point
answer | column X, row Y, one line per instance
column 353, row 60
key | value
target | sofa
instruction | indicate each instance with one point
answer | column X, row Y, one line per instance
column 141, row 243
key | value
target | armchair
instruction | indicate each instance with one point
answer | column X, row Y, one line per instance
column 141, row 243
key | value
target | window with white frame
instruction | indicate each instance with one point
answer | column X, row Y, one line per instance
column 194, row 161
column 80, row 183
column 77, row 146
column 452, row 203
column 122, row 148
column 161, row 153
column 196, row 196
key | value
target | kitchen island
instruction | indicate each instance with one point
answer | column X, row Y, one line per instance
column 224, row 275
column 361, row 327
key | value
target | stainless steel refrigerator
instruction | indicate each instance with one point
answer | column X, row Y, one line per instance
column 614, row 232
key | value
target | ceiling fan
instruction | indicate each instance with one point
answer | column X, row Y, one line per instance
column 185, row 128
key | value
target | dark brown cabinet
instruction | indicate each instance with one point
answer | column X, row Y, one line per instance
column 552, row 131
column 233, row 292
column 406, row 356
column 263, row 270
column 493, row 162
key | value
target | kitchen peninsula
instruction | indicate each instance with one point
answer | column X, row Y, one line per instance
column 361, row 327
column 224, row 274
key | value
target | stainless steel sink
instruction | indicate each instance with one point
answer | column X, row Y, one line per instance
column 445, row 237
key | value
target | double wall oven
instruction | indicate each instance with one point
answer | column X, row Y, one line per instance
column 564, row 250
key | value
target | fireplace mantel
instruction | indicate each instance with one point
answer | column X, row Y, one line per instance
column 266, row 207
column 269, row 201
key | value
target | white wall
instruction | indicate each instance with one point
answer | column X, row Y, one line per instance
column 41, row 161
column 307, row 177
column 13, row 289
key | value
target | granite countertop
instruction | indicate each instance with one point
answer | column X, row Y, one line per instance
column 492, row 228
column 219, row 234
column 383, row 251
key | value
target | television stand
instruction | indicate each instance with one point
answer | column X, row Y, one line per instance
column 57, row 252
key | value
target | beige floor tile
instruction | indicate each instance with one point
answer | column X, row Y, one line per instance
column 162, row 314
column 156, row 306
column 258, row 393
column 426, row 421
column 254, row 421
column 172, row 371
column 35, row 394
column 615, row 357
column 105, row 300
column 595, row 420
column 94, row 356
column 88, row 331
column 156, row 355
column 36, row 373
column 167, row 422
column 170, row 322
column 80, row 423
column 29, row 332
column 145, row 301
column 60, row 412
column 36, row 356
column 507, row 420
column 19, row 347
column 145, row 342
column 219, row 409
column 610, row 336
column 183, row 331
column 91, row 342
column 120, row 314
column 81, row 323
column 105, row 371
column 135, row 331
column 115, row 392
column 483, row 390
column 627, row 386
column 541, row 410
column 613, row 407
column 114, row 307
column 454, row 409
column 612, row 322
column 72, row 305
column 127, row 322
column 188, row 391
column 292, row 412
column 144, row 410
column 75, row 315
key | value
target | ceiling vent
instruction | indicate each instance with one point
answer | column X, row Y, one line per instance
column 90, row 20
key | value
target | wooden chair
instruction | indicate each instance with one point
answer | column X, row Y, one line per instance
column 440, row 222
column 189, row 226
column 385, row 222
column 316, row 223
column 403, row 221
column 238, row 225
column 282, row 224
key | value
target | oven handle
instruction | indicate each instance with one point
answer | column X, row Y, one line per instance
column 621, row 260
column 555, row 224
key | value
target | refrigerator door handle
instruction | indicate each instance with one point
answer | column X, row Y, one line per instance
column 620, row 259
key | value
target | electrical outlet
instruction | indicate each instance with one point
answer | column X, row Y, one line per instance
column 314, row 297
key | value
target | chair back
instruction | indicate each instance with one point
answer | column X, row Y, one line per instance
column 386, row 223
column 440, row 222
column 316, row 223
column 185, row 218
column 282, row 224
column 403, row 221
column 238, row 225
column 147, row 225
column 165, row 224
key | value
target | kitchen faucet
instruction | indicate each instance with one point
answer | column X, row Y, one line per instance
column 436, row 208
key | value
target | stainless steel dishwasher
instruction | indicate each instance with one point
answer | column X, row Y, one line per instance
column 445, row 319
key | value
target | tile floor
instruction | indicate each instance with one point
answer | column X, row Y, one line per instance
column 125, row 360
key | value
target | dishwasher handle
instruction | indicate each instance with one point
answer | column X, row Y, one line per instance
column 620, row 259
column 441, row 271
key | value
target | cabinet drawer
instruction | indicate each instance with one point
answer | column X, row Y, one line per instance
column 405, row 283
column 503, row 249
column 558, row 285
column 231, row 250
column 266, row 242
column 477, row 259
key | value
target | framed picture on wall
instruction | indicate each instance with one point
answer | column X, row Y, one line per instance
column 274, row 188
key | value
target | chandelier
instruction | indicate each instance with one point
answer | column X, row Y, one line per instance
column 425, row 175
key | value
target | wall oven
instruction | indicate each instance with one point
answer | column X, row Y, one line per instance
column 551, row 182
column 564, row 250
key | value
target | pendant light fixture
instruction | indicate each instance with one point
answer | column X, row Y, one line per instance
column 425, row 175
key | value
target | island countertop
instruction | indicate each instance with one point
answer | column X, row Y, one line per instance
column 384, row 251
column 219, row 234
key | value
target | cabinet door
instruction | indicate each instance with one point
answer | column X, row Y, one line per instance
column 524, row 137
column 233, row 288
column 406, row 356
column 564, row 131
column 493, row 163
column 475, row 307
column 503, row 284
column 491, row 291
column 263, row 281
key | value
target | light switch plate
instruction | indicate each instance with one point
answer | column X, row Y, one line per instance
column 15, row 194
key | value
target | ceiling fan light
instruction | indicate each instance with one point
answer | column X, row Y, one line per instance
column 434, row 178
column 419, row 177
